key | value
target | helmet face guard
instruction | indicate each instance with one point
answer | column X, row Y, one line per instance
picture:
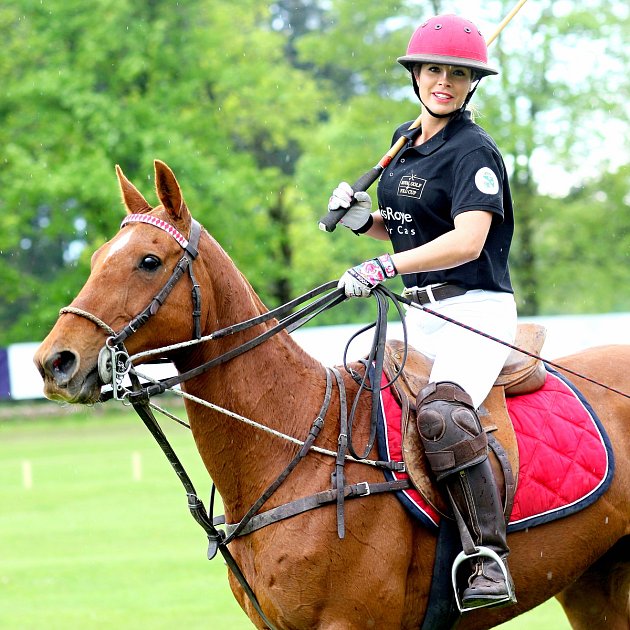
column 448, row 40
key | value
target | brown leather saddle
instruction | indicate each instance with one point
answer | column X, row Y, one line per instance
column 521, row 374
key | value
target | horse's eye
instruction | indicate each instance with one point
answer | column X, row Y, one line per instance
column 150, row 263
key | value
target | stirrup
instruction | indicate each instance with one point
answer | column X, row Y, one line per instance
column 480, row 551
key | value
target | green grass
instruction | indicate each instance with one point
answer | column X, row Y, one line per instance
column 88, row 547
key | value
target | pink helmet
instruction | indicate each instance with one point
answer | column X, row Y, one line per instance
column 450, row 40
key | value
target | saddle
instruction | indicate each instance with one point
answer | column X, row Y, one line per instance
column 521, row 374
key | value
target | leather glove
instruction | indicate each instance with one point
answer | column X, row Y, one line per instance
column 359, row 206
column 360, row 280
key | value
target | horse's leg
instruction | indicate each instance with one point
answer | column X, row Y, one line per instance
column 600, row 598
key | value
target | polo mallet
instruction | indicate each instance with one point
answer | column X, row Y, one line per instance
column 328, row 223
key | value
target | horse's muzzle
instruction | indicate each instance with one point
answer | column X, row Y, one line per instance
column 64, row 380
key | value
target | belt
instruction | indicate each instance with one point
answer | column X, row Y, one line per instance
column 433, row 293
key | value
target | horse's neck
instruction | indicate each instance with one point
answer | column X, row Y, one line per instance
column 276, row 384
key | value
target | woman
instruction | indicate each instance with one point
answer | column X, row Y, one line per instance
column 444, row 203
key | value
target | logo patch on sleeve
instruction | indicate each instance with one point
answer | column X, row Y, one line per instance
column 486, row 181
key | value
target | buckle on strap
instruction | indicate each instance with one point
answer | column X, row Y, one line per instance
column 423, row 295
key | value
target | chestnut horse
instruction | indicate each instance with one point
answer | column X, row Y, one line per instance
column 303, row 574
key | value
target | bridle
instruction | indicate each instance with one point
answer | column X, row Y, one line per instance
column 113, row 360
column 191, row 251
column 114, row 355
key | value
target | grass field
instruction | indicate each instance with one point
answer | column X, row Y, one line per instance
column 95, row 531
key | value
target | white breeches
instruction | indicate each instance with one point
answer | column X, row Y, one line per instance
column 462, row 356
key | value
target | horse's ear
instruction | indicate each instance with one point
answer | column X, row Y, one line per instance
column 169, row 192
column 132, row 197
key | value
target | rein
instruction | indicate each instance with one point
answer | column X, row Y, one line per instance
column 195, row 505
column 252, row 520
column 290, row 322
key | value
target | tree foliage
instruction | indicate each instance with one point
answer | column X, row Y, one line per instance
column 262, row 107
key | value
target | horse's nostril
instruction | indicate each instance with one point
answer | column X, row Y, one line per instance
column 62, row 365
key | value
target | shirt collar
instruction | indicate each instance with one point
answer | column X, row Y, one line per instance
column 439, row 138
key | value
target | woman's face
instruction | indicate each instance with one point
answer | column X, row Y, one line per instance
column 443, row 88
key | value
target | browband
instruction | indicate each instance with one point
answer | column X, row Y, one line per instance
column 159, row 223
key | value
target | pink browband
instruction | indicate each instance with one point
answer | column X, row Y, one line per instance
column 163, row 225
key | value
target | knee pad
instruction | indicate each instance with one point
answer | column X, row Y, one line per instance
column 449, row 428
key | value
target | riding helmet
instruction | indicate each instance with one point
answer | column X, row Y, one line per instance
column 449, row 40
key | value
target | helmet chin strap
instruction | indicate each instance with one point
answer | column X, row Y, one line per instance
column 457, row 111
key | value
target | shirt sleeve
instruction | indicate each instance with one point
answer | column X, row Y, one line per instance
column 478, row 183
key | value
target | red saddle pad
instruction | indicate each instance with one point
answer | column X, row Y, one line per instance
column 566, row 459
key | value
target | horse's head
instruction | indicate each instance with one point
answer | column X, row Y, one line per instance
column 127, row 273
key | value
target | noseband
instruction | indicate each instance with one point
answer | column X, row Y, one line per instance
column 112, row 360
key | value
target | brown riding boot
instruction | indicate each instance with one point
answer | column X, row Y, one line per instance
column 457, row 450
column 474, row 493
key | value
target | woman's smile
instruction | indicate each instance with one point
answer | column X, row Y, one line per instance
column 442, row 96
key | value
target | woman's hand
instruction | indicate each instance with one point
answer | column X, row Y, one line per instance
column 359, row 206
column 360, row 280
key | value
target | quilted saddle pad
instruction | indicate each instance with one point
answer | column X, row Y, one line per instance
column 566, row 459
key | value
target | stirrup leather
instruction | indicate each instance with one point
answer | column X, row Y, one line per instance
column 481, row 551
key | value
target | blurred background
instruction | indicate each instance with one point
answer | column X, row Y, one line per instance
column 261, row 108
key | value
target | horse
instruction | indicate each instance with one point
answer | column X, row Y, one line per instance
column 302, row 573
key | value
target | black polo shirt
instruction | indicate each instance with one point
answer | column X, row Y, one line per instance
column 425, row 187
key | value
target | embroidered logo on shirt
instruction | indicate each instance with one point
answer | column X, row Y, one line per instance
column 486, row 181
column 411, row 186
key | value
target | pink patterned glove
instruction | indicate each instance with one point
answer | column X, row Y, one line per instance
column 360, row 280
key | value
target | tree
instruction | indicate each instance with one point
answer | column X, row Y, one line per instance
column 201, row 86
column 583, row 247
column 546, row 107
column 261, row 109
